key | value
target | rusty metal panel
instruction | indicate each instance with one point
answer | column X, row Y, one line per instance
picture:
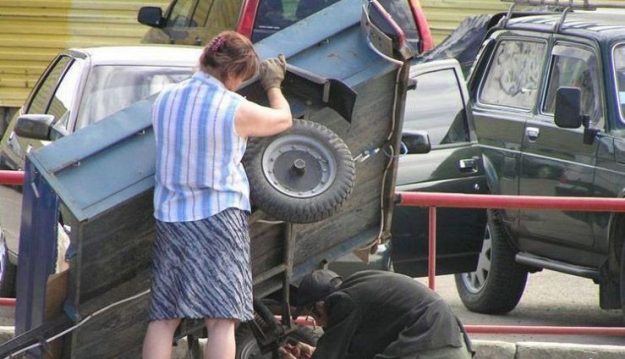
column 33, row 31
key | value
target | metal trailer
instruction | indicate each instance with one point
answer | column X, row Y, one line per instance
column 100, row 182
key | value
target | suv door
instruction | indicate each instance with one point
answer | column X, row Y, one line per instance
column 556, row 162
column 438, row 105
column 194, row 22
column 504, row 102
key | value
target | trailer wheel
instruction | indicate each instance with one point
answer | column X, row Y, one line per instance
column 302, row 175
column 8, row 270
column 247, row 347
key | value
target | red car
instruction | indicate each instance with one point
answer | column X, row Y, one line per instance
column 194, row 22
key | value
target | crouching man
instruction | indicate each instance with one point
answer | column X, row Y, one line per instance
column 377, row 315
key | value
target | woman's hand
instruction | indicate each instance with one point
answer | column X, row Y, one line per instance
column 271, row 72
column 258, row 121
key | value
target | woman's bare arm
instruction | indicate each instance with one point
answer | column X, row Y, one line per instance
column 253, row 120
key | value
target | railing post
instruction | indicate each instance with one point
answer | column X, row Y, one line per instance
column 432, row 248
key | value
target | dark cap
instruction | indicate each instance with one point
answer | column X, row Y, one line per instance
column 316, row 286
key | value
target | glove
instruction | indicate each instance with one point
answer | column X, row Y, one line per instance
column 271, row 72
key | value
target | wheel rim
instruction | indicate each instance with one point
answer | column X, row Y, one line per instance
column 298, row 166
column 475, row 281
column 251, row 351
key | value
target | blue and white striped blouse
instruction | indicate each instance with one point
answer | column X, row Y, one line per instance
column 198, row 161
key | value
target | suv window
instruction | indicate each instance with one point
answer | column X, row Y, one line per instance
column 619, row 72
column 445, row 124
column 41, row 98
column 575, row 67
column 514, row 75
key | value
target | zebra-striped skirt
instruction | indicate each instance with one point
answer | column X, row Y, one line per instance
column 201, row 269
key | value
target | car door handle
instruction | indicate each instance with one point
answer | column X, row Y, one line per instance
column 532, row 133
column 468, row 165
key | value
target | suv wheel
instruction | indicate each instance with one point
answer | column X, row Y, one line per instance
column 497, row 284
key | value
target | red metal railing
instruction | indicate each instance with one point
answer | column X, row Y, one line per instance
column 13, row 178
column 455, row 200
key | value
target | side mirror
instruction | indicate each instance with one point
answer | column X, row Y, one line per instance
column 151, row 16
column 568, row 112
column 416, row 141
column 37, row 126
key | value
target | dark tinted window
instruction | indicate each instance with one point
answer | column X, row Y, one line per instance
column 274, row 15
column 445, row 124
column 41, row 98
column 514, row 75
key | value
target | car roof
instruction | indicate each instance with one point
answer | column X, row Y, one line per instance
column 170, row 55
column 600, row 26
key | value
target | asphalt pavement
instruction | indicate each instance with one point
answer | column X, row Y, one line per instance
column 550, row 299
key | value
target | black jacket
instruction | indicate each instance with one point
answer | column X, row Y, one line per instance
column 384, row 315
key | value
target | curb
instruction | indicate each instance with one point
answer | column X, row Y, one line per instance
column 487, row 349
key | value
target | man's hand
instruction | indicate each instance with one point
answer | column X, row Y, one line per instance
column 271, row 72
column 286, row 353
column 297, row 351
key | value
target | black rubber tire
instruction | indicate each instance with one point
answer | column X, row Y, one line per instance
column 247, row 348
column 8, row 271
column 504, row 280
column 315, row 193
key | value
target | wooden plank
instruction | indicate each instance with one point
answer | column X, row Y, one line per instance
column 362, row 210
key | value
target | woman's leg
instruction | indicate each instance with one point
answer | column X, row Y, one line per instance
column 159, row 338
column 220, row 344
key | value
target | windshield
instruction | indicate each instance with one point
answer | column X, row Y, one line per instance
column 112, row 88
column 619, row 72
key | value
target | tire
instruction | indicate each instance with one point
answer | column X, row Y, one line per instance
column 247, row 347
column 302, row 175
column 8, row 271
column 498, row 283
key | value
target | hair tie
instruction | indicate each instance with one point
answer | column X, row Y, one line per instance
column 217, row 44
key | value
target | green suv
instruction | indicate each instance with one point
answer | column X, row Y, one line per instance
column 548, row 99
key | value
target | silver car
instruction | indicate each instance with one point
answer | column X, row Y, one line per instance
column 80, row 87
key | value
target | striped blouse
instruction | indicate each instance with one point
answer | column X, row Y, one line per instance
column 198, row 161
